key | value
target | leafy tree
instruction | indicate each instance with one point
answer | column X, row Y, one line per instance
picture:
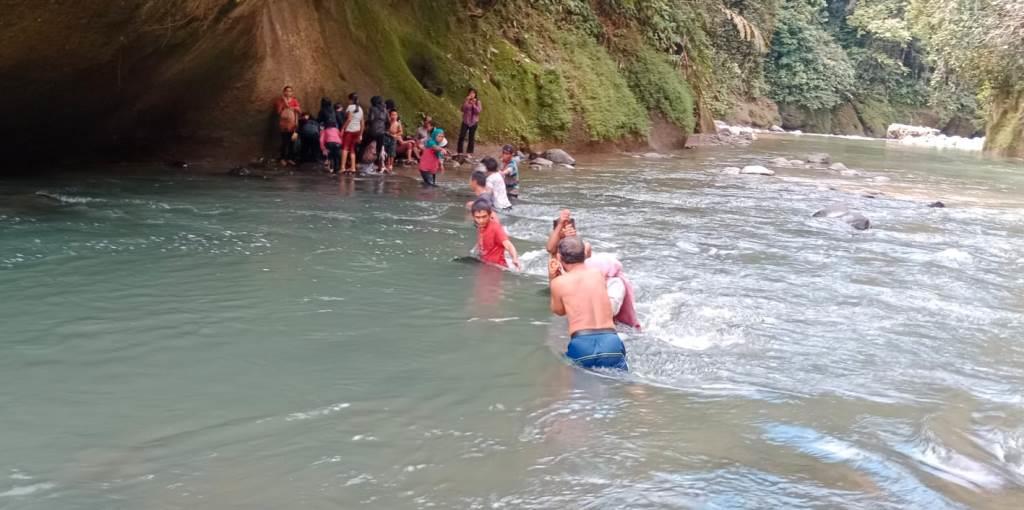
column 806, row 66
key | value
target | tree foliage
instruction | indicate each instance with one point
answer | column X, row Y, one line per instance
column 806, row 66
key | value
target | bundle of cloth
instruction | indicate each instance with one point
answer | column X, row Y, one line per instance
column 620, row 289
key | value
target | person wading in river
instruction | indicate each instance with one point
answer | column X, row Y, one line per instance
column 581, row 295
column 492, row 240
column 563, row 227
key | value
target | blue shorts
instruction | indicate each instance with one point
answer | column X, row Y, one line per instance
column 597, row 350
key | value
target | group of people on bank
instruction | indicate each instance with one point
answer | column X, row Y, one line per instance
column 344, row 135
column 591, row 290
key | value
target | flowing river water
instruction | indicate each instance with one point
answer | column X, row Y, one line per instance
column 174, row 340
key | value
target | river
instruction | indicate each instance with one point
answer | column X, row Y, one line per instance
column 178, row 340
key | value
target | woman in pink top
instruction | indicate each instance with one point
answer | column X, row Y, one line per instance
column 330, row 144
column 470, row 118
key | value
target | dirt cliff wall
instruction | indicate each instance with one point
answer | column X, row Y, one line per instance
column 161, row 79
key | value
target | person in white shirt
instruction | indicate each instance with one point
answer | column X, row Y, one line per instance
column 496, row 184
column 351, row 133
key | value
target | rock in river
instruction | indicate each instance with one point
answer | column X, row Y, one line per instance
column 837, row 167
column 853, row 219
column 756, row 170
column 937, row 205
column 542, row 163
column 558, row 156
column 819, row 158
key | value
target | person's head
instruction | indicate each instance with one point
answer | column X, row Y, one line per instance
column 508, row 151
column 325, row 102
column 390, row 104
column 287, row 91
column 571, row 251
column 471, row 94
column 438, row 135
column 331, row 123
column 482, row 212
column 428, row 122
column 568, row 230
column 376, row 101
column 393, row 115
column 353, row 98
column 490, row 164
column 304, row 116
column 478, row 181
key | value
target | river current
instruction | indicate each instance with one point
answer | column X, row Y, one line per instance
column 178, row 340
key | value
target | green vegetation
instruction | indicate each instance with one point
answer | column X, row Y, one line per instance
column 658, row 86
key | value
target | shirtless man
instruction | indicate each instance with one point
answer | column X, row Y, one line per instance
column 580, row 294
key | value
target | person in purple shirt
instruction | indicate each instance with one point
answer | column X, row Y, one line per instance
column 470, row 117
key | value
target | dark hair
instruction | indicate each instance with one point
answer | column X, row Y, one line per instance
column 286, row 87
column 473, row 90
column 481, row 204
column 572, row 250
column 390, row 104
column 508, row 149
column 490, row 164
column 353, row 97
column 554, row 223
column 479, row 177
column 376, row 100
column 331, row 123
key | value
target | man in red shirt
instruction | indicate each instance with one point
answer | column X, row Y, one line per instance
column 492, row 240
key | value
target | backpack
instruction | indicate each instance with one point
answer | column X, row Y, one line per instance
column 378, row 120
column 289, row 119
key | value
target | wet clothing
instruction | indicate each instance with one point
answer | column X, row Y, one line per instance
column 390, row 146
column 429, row 178
column 597, row 349
column 329, row 135
column 288, row 152
column 491, row 243
column 496, row 184
column 512, row 178
column 429, row 160
column 378, row 122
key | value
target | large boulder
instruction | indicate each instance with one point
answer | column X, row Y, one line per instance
column 853, row 219
column 542, row 163
column 756, row 170
column 559, row 156
column 901, row 131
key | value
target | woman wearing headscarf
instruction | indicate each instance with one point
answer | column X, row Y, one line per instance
column 620, row 289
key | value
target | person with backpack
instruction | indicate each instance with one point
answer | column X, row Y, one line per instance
column 351, row 133
column 287, row 109
column 377, row 130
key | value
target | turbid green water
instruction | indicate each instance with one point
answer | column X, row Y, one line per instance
column 176, row 341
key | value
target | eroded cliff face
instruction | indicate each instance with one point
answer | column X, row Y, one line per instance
column 158, row 79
